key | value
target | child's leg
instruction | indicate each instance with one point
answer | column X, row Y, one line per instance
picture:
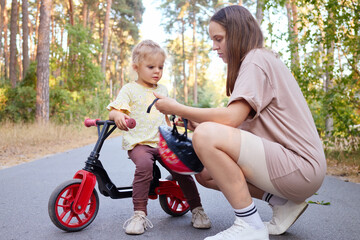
column 187, row 185
column 142, row 156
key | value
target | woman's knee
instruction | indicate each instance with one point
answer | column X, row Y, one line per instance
column 204, row 133
column 206, row 180
column 200, row 179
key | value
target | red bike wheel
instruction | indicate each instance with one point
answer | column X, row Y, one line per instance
column 173, row 206
column 60, row 207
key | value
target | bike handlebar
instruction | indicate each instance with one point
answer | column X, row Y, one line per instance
column 90, row 122
column 131, row 123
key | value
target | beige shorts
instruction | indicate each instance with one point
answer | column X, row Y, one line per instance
column 294, row 186
column 253, row 163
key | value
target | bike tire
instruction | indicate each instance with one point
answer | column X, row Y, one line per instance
column 60, row 207
column 173, row 206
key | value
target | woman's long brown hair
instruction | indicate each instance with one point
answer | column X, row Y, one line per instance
column 243, row 34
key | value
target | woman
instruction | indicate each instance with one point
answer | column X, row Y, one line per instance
column 264, row 144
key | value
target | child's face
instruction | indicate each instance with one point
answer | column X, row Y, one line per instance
column 150, row 70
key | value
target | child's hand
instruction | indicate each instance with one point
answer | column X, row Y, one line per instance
column 120, row 119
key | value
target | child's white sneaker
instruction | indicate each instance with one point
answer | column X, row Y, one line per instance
column 241, row 230
column 199, row 218
column 137, row 224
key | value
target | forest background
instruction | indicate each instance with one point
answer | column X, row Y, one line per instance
column 63, row 61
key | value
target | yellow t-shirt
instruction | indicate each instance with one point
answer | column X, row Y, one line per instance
column 134, row 99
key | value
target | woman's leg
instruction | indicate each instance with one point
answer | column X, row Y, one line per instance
column 218, row 147
column 205, row 179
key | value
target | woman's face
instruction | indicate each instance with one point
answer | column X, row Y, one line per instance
column 217, row 35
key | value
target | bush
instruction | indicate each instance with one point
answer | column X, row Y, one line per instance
column 17, row 104
column 75, row 106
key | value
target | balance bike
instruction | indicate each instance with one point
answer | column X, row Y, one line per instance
column 74, row 204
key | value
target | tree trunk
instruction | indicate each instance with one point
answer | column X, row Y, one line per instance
column 106, row 36
column 121, row 70
column 296, row 33
column 6, row 46
column 13, row 33
column 259, row 11
column 25, row 27
column 43, row 71
column 184, row 61
column 2, row 5
column 36, row 30
column 330, row 48
column 293, row 35
column 71, row 12
column 85, row 14
column 195, row 53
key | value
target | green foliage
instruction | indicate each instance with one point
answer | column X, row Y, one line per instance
column 73, row 93
column 82, row 72
column 327, row 43
column 30, row 77
column 75, row 106
column 210, row 96
column 19, row 103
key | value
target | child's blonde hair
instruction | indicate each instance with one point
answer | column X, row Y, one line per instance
column 144, row 49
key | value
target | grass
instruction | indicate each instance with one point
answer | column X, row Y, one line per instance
column 343, row 158
column 25, row 142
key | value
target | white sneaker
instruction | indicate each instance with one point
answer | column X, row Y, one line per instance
column 284, row 216
column 137, row 224
column 200, row 219
column 241, row 230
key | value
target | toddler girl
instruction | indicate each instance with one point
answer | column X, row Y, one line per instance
column 142, row 142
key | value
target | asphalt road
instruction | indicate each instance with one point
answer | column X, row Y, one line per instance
column 25, row 191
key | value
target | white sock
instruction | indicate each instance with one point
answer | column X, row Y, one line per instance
column 250, row 215
column 273, row 200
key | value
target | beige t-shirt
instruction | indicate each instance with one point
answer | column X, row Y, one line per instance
column 134, row 100
column 280, row 114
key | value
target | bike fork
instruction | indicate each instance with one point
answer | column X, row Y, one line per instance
column 85, row 190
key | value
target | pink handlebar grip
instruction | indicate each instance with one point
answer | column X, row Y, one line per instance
column 90, row 122
column 131, row 123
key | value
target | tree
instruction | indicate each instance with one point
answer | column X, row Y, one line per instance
column 106, row 36
column 43, row 71
column 184, row 14
column 13, row 33
column 126, row 20
column 293, row 33
column 71, row 12
column 259, row 11
column 6, row 55
column 25, row 27
column 2, row 6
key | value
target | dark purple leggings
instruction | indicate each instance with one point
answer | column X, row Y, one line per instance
column 144, row 156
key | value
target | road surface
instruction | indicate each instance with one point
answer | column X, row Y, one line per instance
column 25, row 190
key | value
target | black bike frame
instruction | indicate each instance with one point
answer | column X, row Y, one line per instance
column 94, row 165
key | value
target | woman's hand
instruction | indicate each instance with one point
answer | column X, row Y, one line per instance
column 120, row 119
column 191, row 124
column 166, row 105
